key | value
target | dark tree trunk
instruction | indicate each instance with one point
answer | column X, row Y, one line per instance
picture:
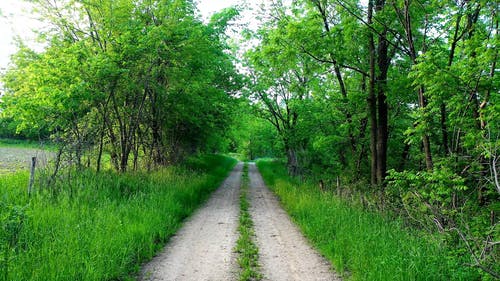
column 382, row 135
column 101, row 147
column 372, row 102
column 421, row 92
column 383, row 63
column 293, row 163
column 124, row 157
column 159, row 156
column 292, row 160
column 404, row 156
column 362, row 149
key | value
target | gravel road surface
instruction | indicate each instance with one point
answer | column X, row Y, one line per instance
column 203, row 248
column 284, row 253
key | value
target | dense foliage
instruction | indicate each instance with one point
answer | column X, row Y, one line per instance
column 133, row 79
column 397, row 100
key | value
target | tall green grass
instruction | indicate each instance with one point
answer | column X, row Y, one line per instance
column 362, row 245
column 106, row 226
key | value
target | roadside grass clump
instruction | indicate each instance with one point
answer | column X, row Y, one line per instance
column 248, row 258
column 362, row 245
column 106, row 226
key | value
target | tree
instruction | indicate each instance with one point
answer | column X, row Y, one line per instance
column 146, row 80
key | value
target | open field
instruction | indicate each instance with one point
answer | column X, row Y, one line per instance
column 15, row 155
column 14, row 159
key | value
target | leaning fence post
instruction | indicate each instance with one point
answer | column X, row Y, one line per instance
column 32, row 175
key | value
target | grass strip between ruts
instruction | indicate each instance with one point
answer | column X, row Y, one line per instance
column 248, row 258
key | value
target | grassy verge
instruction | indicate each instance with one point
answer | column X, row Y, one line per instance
column 361, row 245
column 105, row 227
column 248, row 251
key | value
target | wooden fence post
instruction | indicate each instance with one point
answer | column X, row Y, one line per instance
column 32, row 175
column 339, row 192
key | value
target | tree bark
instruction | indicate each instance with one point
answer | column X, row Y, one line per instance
column 101, row 147
column 293, row 163
column 383, row 63
column 372, row 102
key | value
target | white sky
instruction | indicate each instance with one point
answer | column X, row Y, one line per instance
column 16, row 21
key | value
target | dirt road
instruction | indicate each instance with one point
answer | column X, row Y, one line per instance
column 203, row 247
column 284, row 253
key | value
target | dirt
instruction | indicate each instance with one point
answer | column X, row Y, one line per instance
column 17, row 159
column 283, row 251
column 203, row 248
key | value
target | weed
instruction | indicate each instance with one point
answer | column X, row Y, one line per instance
column 245, row 246
column 12, row 220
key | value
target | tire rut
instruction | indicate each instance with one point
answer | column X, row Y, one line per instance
column 284, row 253
column 203, row 248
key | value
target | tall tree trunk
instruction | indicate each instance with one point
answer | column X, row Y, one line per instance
column 372, row 102
column 383, row 63
column 158, row 156
column 124, row 156
column 101, row 146
column 292, row 160
column 293, row 163
column 382, row 131
column 404, row 156
column 362, row 148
